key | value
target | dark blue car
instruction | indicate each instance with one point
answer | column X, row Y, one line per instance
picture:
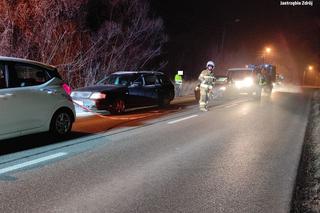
column 126, row 89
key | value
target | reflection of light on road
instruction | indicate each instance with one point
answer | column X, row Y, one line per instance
column 289, row 88
column 244, row 109
column 130, row 117
column 101, row 123
column 242, row 158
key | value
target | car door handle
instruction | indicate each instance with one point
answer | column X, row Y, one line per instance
column 49, row 91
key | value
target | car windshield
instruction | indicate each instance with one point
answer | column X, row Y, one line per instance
column 239, row 74
column 117, row 79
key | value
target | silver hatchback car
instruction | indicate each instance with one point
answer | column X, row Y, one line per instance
column 33, row 98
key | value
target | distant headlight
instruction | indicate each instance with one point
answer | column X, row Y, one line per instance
column 247, row 82
column 223, row 88
column 98, row 95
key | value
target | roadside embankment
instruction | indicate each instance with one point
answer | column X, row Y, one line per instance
column 306, row 196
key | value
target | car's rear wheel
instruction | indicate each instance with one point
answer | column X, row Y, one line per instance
column 61, row 123
column 164, row 102
column 197, row 94
column 118, row 106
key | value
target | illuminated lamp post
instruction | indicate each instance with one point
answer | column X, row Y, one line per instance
column 310, row 69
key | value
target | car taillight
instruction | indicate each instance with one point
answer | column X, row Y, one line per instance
column 98, row 95
column 67, row 88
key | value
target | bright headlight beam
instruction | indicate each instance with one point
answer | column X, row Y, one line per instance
column 98, row 95
column 223, row 88
column 247, row 82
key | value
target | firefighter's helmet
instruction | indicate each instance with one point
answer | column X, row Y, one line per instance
column 210, row 63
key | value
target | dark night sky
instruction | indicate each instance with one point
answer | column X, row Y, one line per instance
column 196, row 30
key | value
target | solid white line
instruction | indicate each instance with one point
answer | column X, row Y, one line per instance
column 182, row 119
column 29, row 163
column 231, row 105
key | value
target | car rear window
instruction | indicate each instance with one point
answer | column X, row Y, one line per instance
column 54, row 73
column 22, row 75
column 164, row 80
column 150, row 80
column 118, row 79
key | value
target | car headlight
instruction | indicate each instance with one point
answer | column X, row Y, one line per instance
column 247, row 82
column 98, row 95
column 223, row 88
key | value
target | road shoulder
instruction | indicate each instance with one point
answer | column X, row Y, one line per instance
column 306, row 197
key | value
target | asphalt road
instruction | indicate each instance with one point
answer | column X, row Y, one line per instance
column 241, row 156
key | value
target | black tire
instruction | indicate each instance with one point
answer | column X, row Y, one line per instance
column 197, row 95
column 61, row 123
column 118, row 107
column 164, row 102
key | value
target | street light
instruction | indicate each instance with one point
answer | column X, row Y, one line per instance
column 267, row 51
column 310, row 68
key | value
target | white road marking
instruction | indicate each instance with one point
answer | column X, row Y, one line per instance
column 182, row 119
column 32, row 162
column 231, row 105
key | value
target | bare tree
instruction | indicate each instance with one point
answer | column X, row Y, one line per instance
column 57, row 32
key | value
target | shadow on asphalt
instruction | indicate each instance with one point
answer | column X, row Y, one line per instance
column 32, row 141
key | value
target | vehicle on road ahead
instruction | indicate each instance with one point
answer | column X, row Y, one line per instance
column 126, row 89
column 244, row 80
column 253, row 79
column 33, row 98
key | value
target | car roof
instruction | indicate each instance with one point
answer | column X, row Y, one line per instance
column 138, row 72
column 22, row 60
column 241, row 69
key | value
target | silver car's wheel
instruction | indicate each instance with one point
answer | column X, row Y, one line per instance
column 61, row 123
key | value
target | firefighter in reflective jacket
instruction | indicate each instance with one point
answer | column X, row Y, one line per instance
column 206, row 79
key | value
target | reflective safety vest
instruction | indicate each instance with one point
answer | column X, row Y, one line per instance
column 178, row 79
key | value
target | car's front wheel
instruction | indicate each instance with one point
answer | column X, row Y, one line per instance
column 118, row 106
column 61, row 123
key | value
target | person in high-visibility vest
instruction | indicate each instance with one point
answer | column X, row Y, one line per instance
column 206, row 79
column 178, row 83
